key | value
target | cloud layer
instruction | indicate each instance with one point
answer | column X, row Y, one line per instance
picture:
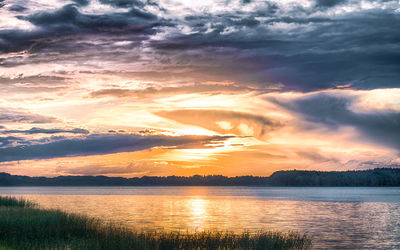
column 335, row 111
column 295, row 45
column 221, row 87
column 10, row 115
column 99, row 144
column 225, row 122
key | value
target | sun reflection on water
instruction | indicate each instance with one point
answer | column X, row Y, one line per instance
column 198, row 212
column 368, row 223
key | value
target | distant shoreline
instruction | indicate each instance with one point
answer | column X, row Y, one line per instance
column 378, row 177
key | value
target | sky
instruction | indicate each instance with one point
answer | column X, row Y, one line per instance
column 225, row 87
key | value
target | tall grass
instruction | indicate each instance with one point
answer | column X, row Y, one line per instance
column 24, row 226
column 8, row 201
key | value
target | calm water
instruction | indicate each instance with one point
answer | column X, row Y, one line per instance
column 338, row 218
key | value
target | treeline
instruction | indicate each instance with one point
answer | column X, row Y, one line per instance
column 373, row 177
column 196, row 180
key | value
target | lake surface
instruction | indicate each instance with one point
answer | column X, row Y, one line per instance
column 337, row 218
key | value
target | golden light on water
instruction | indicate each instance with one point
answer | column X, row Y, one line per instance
column 198, row 209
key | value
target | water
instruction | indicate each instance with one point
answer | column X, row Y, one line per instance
column 337, row 218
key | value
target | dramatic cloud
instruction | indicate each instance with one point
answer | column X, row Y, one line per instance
column 299, row 79
column 329, row 3
column 6, row 141
column 225, row 122
column 65, row 23
column 101, row 144
column 334, row 111
column 303, row 46
column 295, row 45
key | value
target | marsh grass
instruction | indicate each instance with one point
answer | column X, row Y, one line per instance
column 25, row 226
column 7, row 201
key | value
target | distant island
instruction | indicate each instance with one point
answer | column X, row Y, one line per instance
column 371, row 178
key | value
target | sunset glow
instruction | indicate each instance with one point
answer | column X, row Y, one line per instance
column 134, row 88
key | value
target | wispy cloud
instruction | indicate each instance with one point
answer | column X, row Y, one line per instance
column 46, row 131
column 10, row 115
column 225, row 122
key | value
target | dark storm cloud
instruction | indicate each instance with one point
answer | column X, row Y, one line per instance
column 329, row 3
column 317, row 52
column 17, row 8
column 8, row 140
column 69, row 18
column 123, row 3
column 100, row 144
column 18, row 116
column 62, row 29
column 82, row 2
column 381, row 127
column 296, row 47
column 46, row 131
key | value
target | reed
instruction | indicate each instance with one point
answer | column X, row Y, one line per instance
column 7, row 201
column 23, row 225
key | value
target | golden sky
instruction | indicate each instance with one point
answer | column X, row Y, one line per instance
column 133, row 88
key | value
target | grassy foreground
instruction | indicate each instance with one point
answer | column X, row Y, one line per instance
column 25, row 226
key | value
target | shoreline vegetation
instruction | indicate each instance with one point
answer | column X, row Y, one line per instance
column 377, row 177
column 24, row 225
